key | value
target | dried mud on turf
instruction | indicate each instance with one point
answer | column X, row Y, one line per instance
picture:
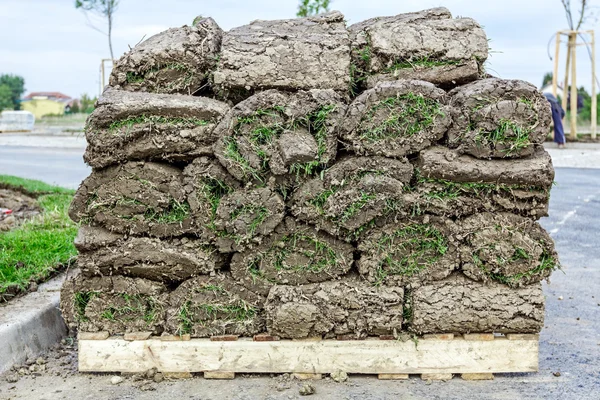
column 300, row 178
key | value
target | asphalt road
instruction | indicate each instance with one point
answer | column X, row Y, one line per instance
column 569, row 342
column 59, row 166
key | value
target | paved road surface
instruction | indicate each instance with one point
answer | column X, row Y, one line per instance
column 60, row 166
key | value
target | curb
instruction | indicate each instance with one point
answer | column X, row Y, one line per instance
column 31, row 324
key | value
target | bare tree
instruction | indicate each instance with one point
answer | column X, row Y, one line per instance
column 581, row 18
column 103, row 8
column 312, row 7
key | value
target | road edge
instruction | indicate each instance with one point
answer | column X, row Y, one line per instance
column 31, row 324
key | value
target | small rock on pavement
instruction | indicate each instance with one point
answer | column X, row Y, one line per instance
column 339, row 376
column 12, row 378
column 159, row 377
column 40, row 361
column 556, row 374
column 307, row 389
column 115, row 380
column 560, row 297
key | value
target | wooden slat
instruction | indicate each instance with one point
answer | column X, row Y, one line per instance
column 219, row 375
column 265, row 338
column 137, row 335
column 392, row 377
column 175, row 338
column 436, row 377
column 371, row 356
column 93, row 335
column 224, row 338
column 440, row 336
column 522, row 336
column 478, row 336
column 478, row 377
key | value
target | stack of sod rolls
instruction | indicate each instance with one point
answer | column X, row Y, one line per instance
column 304, row 178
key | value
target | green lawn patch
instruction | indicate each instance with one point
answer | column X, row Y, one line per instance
column 38, row 247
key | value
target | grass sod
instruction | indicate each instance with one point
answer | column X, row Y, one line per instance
column 546, row 262
column 421, row 62
column 175, row 212
column 322, row 256
column 258, row 214
column 407, row 115
column 263, row 138
column 190, row 314
column 131, row 121
column 141, row 76
column 37, row 247
column 511, row 135
column 32, row 186
column 451, row 190
column 421, row 244
column 135, row 306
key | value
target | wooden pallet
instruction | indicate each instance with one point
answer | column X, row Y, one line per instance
column 475, row 356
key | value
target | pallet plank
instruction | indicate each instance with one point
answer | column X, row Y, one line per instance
column 371, row 356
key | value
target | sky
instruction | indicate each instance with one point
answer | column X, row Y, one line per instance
column 52, row 45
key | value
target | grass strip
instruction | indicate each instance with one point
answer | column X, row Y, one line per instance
column 34, row 249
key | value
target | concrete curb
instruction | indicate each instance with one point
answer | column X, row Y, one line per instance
column 31, row 324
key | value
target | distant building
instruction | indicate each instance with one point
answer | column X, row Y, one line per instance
column 46, row 103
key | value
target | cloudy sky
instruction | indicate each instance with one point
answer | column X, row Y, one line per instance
column 52, row 46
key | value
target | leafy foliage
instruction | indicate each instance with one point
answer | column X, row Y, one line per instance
column 312, row 7
column 12, row 88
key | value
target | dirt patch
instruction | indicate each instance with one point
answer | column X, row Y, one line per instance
column 212, row 306
column 278, row 133
column 295, row 254
column 395, row 119
column 292, row 54
column 428, row 45
column 115, row 304
column 178, row 60
column 506, row 248
column 352, row 195
column 346, row 307
column 458, row 304
column 167, row 260
column 497, row 118
column 422, row 249
column 134, row 198
column 22, row 206
column 129, row 126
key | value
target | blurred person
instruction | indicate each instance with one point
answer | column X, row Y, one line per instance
column 557, row 116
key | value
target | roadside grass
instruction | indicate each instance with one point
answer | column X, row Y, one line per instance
column 35, row 249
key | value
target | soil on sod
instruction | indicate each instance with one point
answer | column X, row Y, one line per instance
column 38, row 241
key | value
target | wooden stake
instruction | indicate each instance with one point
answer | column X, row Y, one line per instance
column 594, row 98
column 566, row 84
column 555, row 72
column 573, row 134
